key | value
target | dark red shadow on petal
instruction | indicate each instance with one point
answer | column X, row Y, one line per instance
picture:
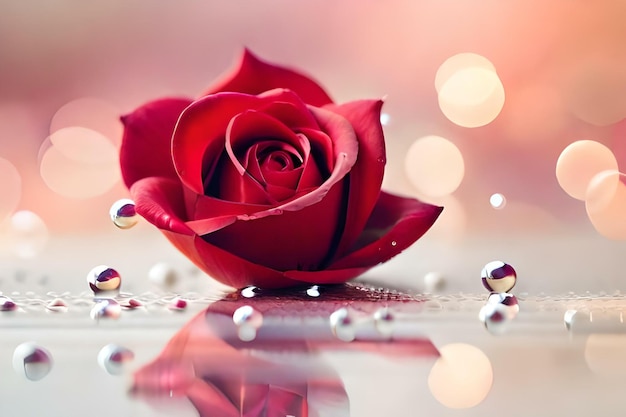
column 281, row 371
column 254, row 76
column 146, row 149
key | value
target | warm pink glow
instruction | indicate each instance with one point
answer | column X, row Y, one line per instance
column 579, row 163
column 89, row 112
column 606, row 204
column 10, row 188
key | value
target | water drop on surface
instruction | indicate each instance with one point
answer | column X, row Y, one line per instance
column 343, row 325
column 104, row 280
column 433, row 282
column 313, row 291
column 498, row 276
column 498, row 312
column 250, row 291
column 248, row 321
column 106, row 308
column 384, row 320
column 123, row 213
column 163, row 275
column 113, row 358
column 31, row 361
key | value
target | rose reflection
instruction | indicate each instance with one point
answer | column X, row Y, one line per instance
column 281, row 372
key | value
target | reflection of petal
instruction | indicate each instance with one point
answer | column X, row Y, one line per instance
column 274, row 375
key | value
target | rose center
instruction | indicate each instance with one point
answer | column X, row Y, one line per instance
column 278, row 160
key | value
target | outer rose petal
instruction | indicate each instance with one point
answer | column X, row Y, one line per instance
column 146, row 145
column 161, row 202
column 253, row 76
column 366, row 176
column 395, row 224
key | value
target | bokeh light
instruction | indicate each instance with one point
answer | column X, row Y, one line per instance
column 605, row 354
column 77, row 162
column 435, row 166
column 497, row 201
column 461, row 377
column 459, row 62
column 451, row 226
column 606, row 204
column 470, row 92
column 89, row 112
column 10, row 188
column 28, row 234
column 579, row 163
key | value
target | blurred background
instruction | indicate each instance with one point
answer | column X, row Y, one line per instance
column 510, row 114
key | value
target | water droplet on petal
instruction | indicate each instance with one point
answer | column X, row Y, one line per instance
column 163, row 275
column 57, row 306
column 123, row 213
column 343, row 325
column 394, row 243
column 106, row 308
column 31, row 361
column 498, row 276
column 248, row 321
column 104, row 280
column 113, row 358
column 384, row 320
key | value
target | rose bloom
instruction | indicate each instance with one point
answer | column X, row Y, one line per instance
column 263, row 180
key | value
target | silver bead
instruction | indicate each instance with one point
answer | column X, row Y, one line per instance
column 123, row 213
column 106, row 308
column 343, row 325
column 104, row 280
column 384, row 321
column 498, row 276
column 248, row 321
column 32, row 361
column 113, row 358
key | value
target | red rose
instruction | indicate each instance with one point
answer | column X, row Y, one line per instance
column 264, row 181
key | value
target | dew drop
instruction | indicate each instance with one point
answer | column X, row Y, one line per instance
column 498, row 276
column 106, row 309
column 248, row 321
column 32, row 361
column 250, row 291
column 114, row 359
column 384, row 321
column 163, row 275
column 123, row 213
column 343, row 325
column 313, row 291
column 569, row 318
column 104, row 280
column 394, row 243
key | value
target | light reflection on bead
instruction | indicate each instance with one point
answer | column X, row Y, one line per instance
column 106, row 308
column 384, row 321
column 113, row 358
column 248, row 321
column 498, row 276
column 32, row 361
column 343, row 325
column 104, row 280
column 498, row 312
column 123, row 213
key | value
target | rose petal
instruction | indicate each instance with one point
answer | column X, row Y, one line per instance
column 226, row 267
column 230, row 184
column 366, row 175
column 254, row 76
column 198, row 141
column 395, row 224
column 146, row 144
column 301, row 240
column 161, row 202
